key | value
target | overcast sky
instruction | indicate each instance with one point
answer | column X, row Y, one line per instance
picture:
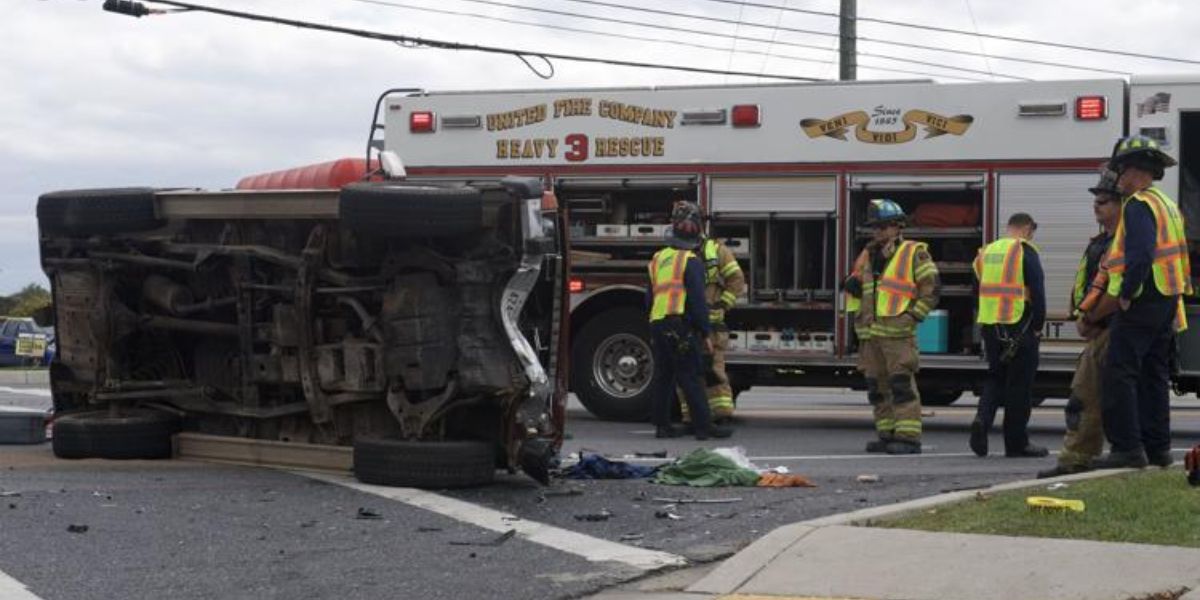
column 94, row 99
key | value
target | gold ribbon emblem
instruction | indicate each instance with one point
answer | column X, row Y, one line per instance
column 933, row 123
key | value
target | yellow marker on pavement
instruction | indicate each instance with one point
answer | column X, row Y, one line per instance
column 1049, row 504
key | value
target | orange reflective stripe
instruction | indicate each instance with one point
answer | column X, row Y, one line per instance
column 900, row 286
column 675, row 294
column 1007, row 306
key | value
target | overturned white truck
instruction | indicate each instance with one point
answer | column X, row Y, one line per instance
column 421, row 325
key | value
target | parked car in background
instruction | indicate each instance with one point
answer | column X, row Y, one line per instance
column 11, row 329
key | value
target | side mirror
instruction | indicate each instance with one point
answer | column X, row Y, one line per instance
column 392, row 165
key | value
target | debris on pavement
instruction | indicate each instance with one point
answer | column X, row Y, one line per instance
column 557, row 493
column 867, row 478
column 77, row 528
column 706, row 468
column 697, row 500
column 1057, row 486
column 603, row 515
column 781, row 480
column 427, row 529
column 632, row 537
column 666, row 514
column 504, row 537
column 594, row 466
column 367, row 514
column 654, row 454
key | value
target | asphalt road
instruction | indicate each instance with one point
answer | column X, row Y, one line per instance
column 191, row 530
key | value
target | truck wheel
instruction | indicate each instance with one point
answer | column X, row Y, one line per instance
column 398, row 210
column 99, row 211
column 407, row 463
column 940, row 397
column 613, row 366
column 98, row 434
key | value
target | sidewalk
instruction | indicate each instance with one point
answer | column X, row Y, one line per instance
column 832, row 558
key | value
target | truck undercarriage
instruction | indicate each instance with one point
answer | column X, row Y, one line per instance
column 418, row 324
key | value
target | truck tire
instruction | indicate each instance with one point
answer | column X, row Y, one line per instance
column 429, row 464
column 940, row 397
column 98, row 211
column 613, row 367
column 98, row 434
column 399, row 210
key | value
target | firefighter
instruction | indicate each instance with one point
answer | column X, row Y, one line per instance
column 1092, row 308
column 1149, row 273
column 1011, row 313
column 724, row 282
column 679, row 328
column 892, row 288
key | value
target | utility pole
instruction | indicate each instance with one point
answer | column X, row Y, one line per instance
column 848, row 34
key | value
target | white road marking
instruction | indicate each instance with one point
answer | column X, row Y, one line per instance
column 26, row 391
column 591, row 548
column 11, row 589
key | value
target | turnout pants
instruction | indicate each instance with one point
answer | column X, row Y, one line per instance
column 1137, row 376
column 1010, row 381
column 890, row 366
column 720, row 394
column 677, row 361
column 1084, row 439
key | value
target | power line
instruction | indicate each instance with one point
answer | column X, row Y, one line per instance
column 691, row 31
column 793, row 30
column 442, row 11
column 1005, row 38
column 444, row 45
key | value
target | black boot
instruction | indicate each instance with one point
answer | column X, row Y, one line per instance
column 1029, row 451
column 1160, row 459
column 1059, row 470
column 876, row 446
column 979, row 438
column 1131, row 459
column 904, row 447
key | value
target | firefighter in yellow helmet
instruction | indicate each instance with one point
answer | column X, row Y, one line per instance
column 1092, row 308
column 724, row 283
column 1149, row 273
column 1011, row 314
column 679, row 329
column 892, row 288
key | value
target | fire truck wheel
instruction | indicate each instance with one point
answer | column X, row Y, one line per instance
column 613, row 367
column 398, row 210
column 134, row 434
column 98, row 211
column 940, row 397
column 424, row 464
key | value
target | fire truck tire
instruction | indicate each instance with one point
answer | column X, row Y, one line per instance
column 398, row 210
column 613, row 366
column 99, row 434
column 98, row 211
column 940, row 397
column 424, row 464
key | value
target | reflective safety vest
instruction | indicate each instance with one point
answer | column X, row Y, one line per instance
column 1000, row 268
column 666, row 281
column 896, row 288
column 715, row 274
column 1172, row 267
column 1086, row 293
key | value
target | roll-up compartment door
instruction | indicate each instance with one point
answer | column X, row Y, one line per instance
column 1062, row 207
column 779, row 195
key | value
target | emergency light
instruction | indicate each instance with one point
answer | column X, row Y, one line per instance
column 421, row 122
column 575, row 285
column 1091, row 108
column 745, row 115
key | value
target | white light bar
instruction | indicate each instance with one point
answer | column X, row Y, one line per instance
column 1042, row 109
column 703, row 117
column 462, row 122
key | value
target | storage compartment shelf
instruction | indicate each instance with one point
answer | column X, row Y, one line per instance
column 601, row 241
column 785, row 306
column 930, row 232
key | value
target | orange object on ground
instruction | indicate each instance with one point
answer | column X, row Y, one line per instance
column 784, row 480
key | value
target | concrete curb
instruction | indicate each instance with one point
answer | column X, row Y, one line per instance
column 737, row 570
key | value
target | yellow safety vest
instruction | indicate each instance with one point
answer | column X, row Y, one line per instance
column 896, row 288
column 666, row 281
column 1000, row 268
column 1172, row 266
column 715, row 274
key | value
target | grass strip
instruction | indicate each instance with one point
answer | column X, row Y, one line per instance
column 1149, row 507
